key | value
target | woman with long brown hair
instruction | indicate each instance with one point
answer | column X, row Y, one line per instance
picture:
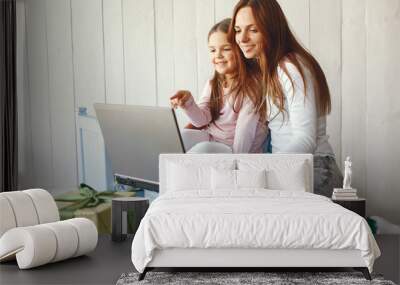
column 295, row 91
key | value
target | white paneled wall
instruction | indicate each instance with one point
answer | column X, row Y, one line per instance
column 205, row 19
column 383, row 106
column 139, row 50
column 354, row 67
column 298, row 14
column 24, row 129
column 325, row 44
column 113, row 30
column 61, row 92
column 39, row 97
column 223, row 9
column 142, row 51
column 164, row 13
column 88, row 52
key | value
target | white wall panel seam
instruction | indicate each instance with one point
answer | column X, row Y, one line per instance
column 197, row 60
column 173, row 50
column 340, row 88
column 123, row 47
column 164, row 47
column 77, row 131
column 173, row 47
column 49, row 96
column 27, row 130
column 61, row 93
column 155, row 51
column 215, row 14
column 28, row 90
column 104, row 52
column 340, row 85
column 366, row 99
column 113, row 51
column 309, row 25
column 366, row 10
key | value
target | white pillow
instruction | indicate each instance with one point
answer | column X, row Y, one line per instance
column 186, row 175
column 293, row 179
column 251, row 178
column 224, row 179
column 282, row 174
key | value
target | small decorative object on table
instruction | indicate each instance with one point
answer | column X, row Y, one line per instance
column 347, row 196
column 347, row 192
column 127, row 213
column 347, row 174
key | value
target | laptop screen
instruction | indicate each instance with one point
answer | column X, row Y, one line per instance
column 135, row 136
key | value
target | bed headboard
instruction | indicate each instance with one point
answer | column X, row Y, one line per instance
column 270, row 161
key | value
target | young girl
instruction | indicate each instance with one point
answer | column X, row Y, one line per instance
column 295, row 87
column 225, row 117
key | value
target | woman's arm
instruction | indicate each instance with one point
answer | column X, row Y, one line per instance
column 302, row 112
column 246, row 127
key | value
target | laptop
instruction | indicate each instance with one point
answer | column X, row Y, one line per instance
column 134, row 137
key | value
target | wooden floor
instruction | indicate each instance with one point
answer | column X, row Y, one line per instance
column 110, row 259
column 102, row 266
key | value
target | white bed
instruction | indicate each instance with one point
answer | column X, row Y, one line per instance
column 201, row 219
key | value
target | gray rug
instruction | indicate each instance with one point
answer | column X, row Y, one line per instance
column 243, row 278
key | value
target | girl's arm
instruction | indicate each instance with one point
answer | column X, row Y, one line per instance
column 199, row 113
column 246, row 127
column 302, row 112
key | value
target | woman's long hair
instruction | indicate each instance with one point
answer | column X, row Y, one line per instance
column 280, row 46
column 249, row 87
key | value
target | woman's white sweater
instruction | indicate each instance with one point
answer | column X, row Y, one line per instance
column 298, row 129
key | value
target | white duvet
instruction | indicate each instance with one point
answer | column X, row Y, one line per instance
column 253, row 218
